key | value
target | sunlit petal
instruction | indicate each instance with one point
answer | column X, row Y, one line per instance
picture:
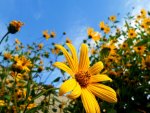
column 96, row 68
column 89, row 102
column 64, row 67
column 84, row 59
column 76, row 92
column 104, row 92
column 67, row 86
column 68, row 57
column 74, row 54
column 99, row 78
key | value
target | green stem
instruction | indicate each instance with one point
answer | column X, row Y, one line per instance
column 3, row 37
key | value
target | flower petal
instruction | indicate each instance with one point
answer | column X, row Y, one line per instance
column 84, row 58
column 64, row 67
column 76, row 92
column 74, row 54
column 104, row 92
column 89, row 102
column 96, row 68
column 68, row 58
column 99, row 78
column 67, row 86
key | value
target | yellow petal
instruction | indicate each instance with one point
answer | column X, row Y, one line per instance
column 99, row 78
column 68, row 57
column 64, row 67
column 96, row 68
column 84, row 58
column 74, row 54
column 104, row 92
column 89, row 102
column 67, row 86
column 76, row 92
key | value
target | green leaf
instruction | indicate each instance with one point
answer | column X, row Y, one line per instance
column 144, row 41
column 56, row 80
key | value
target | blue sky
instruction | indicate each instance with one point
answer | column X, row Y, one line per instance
column 71, row 16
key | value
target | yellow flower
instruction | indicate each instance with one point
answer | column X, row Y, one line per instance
column 30, row 106
column 140, row 49
column 131, row 33
column 106, row 29
column 14, row 26
column 93, row 51
column 102, row 25
column 68, row 40
column 93, row 34
column 89, row 32
column 55, row 50
column 112, row 18
column 22, row 63
column 96, row 36
column 7, row 56
column 17, row 41
column 124, row 45
column 143, row 13
column 146, row 62
column 2, row 103
column 84, row 79
column 40, row 46
column 46, row 35
column 40, row 68
column 52, row 34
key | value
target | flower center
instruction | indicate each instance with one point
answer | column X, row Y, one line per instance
column 82, row 78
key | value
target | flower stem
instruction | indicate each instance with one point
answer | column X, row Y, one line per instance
column 3, row 37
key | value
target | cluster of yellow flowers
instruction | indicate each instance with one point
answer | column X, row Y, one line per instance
column 47, row 35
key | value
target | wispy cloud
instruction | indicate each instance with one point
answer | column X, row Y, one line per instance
column 138, row 5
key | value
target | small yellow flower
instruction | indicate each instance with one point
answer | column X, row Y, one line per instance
column 102, row 25
column 93, row 51
column 7, row 56
column 52, row 34
column 17, row 41
column 140, row 49
column 40, row 68
column 40, row 46
column 106, row 29
column 68, row 40
column 84, row 79
column 55, row 50
column 89, row 32
column 14, row 26
column 2, row 103
column 22, row 63
column 93, row 34
column 96, row 36
column 112, row 18
column 30, row 106
column 46, row 35
column 143, row 13
column 132, row 33
column 124, row 45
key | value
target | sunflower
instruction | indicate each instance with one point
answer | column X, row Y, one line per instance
column 68, row 40
column 52, row 34
column 14, row 26
column 7, row 56
column 131, row 33
column 102, row 25
column 112, row 18
column 140, row 49
column 84, row 80
column 143, row 13
column 46, row 35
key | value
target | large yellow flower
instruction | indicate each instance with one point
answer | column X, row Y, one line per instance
column 84, row 79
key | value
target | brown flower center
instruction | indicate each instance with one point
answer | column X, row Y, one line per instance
column 82, row 78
